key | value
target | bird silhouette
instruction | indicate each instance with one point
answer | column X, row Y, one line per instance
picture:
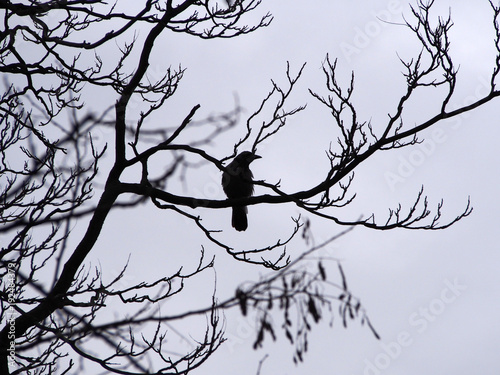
column 237, row 183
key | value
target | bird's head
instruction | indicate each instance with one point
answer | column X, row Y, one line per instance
column 246, row 157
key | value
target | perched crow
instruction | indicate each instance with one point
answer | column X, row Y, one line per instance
column 237, row 183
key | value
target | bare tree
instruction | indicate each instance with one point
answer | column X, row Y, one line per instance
column 54, row 306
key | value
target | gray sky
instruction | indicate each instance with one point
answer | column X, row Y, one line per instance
column 432, row 296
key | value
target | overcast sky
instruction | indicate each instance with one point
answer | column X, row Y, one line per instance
column 432, row 296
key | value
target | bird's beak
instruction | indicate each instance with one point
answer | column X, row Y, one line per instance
column 256, row 157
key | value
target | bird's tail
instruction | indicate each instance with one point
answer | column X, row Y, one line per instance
column 239, row 220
